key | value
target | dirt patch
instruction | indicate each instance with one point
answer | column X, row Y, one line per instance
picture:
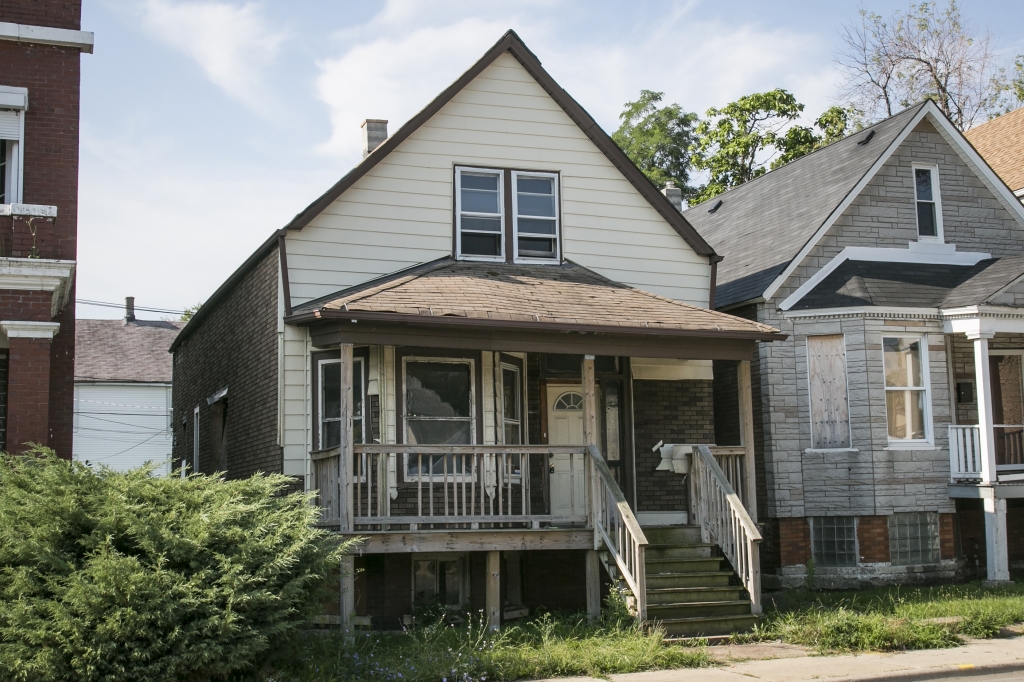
column 758, row 651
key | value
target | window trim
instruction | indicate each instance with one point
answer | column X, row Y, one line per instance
column 405, row 412
column 320, row 421
column 929, row 434
column 502, row 213
column 519, row 406
column 936, row 200
column 557, row 237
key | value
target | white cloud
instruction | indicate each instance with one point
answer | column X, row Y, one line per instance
column 233, row 44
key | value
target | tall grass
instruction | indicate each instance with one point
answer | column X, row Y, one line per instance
column 547, row 646
column 890, row 619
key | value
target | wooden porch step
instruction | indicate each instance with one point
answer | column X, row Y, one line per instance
column 694, row 551
column 673, row 535
column 682, row 595
column 689, row 579
column 683, row 564
column 707, row 627
column 698, row 609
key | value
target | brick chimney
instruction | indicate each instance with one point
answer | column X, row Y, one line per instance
column 375, row 131
column 129, row 309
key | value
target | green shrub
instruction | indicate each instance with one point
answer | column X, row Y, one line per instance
column 124, row 576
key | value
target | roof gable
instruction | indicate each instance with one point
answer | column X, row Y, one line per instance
column 512, row 44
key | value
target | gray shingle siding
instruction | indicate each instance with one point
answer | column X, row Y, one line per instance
column 235, row 346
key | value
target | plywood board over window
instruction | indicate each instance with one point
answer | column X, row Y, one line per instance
column 830, row 410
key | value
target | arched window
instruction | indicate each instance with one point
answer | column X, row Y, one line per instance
column 569, row 401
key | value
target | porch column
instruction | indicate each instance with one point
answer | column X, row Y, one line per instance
column 590, row 435
column 492, row 596
column 997, row 558
column 746, row 400
column 345, row 510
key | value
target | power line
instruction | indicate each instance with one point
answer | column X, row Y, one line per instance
column 105, row 304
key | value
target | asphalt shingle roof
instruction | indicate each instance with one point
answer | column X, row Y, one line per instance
column 111, row 350
column 1001, row 143
column 762, row 225
column 566, row 294
column 915, row 285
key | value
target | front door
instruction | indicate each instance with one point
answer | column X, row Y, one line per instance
column 565, row 427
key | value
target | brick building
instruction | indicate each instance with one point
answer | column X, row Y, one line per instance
column 41, row 43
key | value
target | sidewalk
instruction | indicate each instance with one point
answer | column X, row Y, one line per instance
column 786, row 663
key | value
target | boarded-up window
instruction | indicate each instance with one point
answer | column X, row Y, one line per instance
column 830, row 413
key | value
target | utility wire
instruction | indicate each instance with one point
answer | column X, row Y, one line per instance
column 104, row 304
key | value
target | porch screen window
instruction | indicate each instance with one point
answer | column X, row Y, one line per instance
column 438, row 411
column 830, row 412
column 834, row 540
column 479, row 211
column 510, row 405
column 535, row 212
column 914, row 538
column 925, row 189
column 330, row 403
column 906, row 391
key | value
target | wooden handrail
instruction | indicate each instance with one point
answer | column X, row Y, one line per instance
column 617, row 527
column 724, row 520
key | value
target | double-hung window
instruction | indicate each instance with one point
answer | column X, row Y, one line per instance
column 13, row 103
column 929, row 208
column 330, row 402
column 905, row 360
column 480, row 216
column 535, row 213
column 510, row 405
column 439, row 410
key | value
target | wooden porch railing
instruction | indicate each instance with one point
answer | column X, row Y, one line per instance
column 448, row 486
column 617, row 528
column 723, row 520
column 733, row 462
column 965, row 457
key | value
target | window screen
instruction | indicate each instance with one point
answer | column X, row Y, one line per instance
column 914, row 538
column 834, row 540
column 438, row 410
column 830, row 413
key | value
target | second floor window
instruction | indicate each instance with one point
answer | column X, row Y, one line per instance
column 926, row 192
column 507, row 216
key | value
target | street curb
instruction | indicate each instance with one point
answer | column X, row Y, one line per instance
column 923, row 674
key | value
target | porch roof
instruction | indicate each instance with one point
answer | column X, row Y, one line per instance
column 569, row 297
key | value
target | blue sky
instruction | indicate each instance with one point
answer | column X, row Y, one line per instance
column 207, row 125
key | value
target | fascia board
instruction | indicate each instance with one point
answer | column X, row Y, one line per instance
column 984, row 321
column 774, row 287
column 882, row 255
column 864, row 311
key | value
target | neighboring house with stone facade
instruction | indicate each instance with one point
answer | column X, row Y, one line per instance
column 891, row 419
column 1001, row 143
column 475, row 348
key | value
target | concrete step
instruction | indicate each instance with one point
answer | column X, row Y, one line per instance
column 682, row 551
column 688, row 579
column 682, row 564
column 672, row 535
column 698, row 609
column 707, row 627
column 679, row 595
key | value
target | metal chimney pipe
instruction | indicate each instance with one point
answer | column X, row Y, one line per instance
column 129, row 309
column 375, row 131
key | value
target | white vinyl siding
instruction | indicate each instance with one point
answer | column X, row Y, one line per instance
column 401, row 212
column 123, row 426
column 830, row 410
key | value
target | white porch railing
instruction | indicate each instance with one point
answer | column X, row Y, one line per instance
column 617, row 528
column 965, row 457
column 723, row 520
column 733, row 461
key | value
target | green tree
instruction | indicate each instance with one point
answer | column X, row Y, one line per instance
column 657, row 139
column 744, row 139
column 191, row 310
column 131, row 577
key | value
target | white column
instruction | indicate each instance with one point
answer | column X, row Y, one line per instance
column 983, row 388
column 997, row 557
column 746, row 401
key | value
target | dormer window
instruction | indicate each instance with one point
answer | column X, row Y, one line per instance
column 487, row 228
column 929, row 209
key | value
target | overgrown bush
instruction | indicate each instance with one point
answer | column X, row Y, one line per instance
column 125, row 576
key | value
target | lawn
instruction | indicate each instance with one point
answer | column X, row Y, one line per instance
column 547, row 646
column 888, row 619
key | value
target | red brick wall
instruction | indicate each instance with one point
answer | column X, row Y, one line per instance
column 794, row 541
column 873, row 539
column 55, row 13
column 28, row 393
column 52, row 76
column 947, row 537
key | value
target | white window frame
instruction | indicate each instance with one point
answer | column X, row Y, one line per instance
column 14, row 99
column 929, row 436
column 320, row 398
column 936, row 199
column 519, row 407
column 558, row 218
column 405, row 415
column 459, row 170
column 195, row 440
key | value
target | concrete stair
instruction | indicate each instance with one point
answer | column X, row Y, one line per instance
column 689, row 588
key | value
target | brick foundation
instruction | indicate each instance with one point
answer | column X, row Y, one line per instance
column 947, row 537
column 794, row 541
column 873, row 539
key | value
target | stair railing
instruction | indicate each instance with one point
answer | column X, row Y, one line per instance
column 723, row 520
column 617, row 529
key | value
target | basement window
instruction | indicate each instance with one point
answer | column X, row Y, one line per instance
column 439, row 580
column 535, row 212
column 929, row 209
column 914, row 538
column 479, row 214
column 834, row 540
